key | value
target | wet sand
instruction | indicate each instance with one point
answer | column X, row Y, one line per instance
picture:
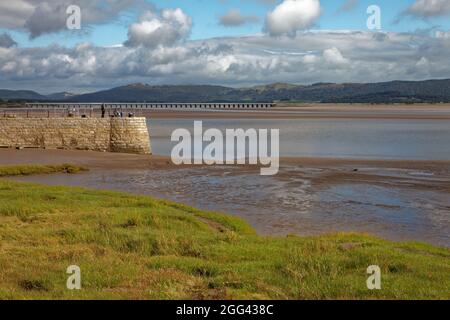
column 344, row 168
column 434, row 175
column 92, row 159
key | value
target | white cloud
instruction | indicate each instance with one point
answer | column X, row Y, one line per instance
column 423, row 62
column 334, row 56
column 429, row 8
column 310, row 59
column 291, row 16
column 171, row 26
column 443, row 34
column 236, row 61
column 38, row 17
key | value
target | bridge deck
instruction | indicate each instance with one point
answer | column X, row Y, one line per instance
column 151, row 105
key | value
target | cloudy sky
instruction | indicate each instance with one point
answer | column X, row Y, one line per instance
column 223, row 42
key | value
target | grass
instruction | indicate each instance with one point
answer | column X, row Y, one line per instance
column 136, row 247
column 21, row 170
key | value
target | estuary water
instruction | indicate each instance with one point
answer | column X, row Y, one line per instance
column 336, row 138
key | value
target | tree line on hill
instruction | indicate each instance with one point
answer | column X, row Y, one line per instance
column 429, row 91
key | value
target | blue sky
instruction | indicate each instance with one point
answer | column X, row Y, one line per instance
column 222, row 42
column 205, row 15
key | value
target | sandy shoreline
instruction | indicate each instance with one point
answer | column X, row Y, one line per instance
column 105, row 160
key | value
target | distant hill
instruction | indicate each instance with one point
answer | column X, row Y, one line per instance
column 146, row 93
column 25, row 95
column 383, row 92
column 61, row 96
column 28, row 95
column 274, row 86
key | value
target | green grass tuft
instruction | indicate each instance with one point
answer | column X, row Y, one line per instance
column 24, row 170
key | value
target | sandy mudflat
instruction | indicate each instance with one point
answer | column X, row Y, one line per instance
column 335, row 171
column 91, row 159
column 106, row 160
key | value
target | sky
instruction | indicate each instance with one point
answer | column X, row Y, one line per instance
column 222, row 42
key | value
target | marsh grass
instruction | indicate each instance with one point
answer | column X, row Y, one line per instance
column 136, row 247
column 22, row 170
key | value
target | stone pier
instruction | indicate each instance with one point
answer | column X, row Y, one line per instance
column 126, row 135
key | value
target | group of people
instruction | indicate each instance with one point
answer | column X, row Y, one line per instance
column 72, row 112
column 117, row 113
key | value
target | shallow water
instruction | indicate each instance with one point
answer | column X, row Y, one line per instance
column 287, row 204
column 337, row 138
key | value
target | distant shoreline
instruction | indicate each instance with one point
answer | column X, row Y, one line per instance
column 315, row 111
column 285, row 110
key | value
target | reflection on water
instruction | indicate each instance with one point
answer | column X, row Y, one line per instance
column 289, row 203
column 337, row 138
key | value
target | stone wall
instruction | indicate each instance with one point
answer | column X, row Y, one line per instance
column 128, row 135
